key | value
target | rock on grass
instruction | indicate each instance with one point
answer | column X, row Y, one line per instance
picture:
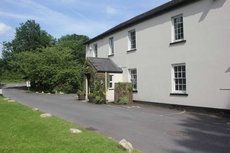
column 35, row 109
column 46, row 115
column 75, row 131
column 11, row 101
column 125, row 145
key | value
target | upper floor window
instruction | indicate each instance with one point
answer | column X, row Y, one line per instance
column 132, row 39
column 179, row 78
column 95, row 50
column 178, row 28
column 111, row 46
column 133, row 76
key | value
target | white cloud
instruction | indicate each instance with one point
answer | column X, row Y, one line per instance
column 69, row 1
column 4, row 28
column 65, row 24
column 56, row 20
column 110, row 10
column 17, row 16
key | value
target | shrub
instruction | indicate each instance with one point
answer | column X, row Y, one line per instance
column 80, row 92
column 91, row 95
column 123, row 100
column 66, row 88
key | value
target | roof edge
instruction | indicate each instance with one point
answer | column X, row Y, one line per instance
column 108, row 71
column 164, row 8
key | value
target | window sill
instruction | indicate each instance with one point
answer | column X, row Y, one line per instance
column 135, row 91
column 131, row 50
column 111, row 89
column 111, row 55
column 179, row 94
column 178, row 42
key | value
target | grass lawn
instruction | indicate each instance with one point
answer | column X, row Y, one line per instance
column 23, row 131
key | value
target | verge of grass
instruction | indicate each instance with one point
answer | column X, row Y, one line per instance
column 23, row 131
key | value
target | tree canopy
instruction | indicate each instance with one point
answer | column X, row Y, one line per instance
column 49, row 63
column 75, row 43
column 50, row 69
column 28, row 37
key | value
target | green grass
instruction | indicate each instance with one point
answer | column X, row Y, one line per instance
column 23, row 131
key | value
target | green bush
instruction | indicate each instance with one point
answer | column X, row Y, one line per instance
column 123, row 100
column 66, row 88
column 91, row 95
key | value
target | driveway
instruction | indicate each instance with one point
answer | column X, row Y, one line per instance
column 149, row 129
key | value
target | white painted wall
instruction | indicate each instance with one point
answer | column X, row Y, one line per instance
column 206, row 54
column 110, row 92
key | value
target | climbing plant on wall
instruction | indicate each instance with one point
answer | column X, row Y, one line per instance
column 123, row 93
column 96, row 82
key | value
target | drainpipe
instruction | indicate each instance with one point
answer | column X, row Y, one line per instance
column 106, row 85
column 106, row 81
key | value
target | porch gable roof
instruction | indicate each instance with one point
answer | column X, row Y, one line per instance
column 104, row 65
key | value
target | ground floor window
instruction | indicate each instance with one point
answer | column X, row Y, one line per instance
column 110, row 81
column 179, row 78
column 133, row 76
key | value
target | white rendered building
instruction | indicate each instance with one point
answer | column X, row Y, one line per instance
column 177, row 53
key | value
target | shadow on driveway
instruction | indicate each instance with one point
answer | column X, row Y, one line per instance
column 205, row 134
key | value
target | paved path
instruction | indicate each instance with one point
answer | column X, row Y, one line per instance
column 150, row 129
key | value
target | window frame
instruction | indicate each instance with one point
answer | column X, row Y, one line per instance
column 95, row 50
column 111, row 46
column 132, row 40
column 179, row 79
column 177, row 29
column 111, row 82
column 134, row 84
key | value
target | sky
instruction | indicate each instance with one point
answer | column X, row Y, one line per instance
column 61, row 17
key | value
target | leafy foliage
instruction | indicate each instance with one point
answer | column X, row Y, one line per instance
column 50, row 68
column 75, row 43
column 123, row 100
column 28, row 37
column 96, row 83
column 50, row 64
column 123, row 93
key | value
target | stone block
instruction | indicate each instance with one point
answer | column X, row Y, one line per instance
column 35, row 109
column 75, row 131
column 125, row 145
column 11, row 101
column 46, row 115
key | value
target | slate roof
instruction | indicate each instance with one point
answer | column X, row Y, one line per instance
column 104, row 65
column 171, row 5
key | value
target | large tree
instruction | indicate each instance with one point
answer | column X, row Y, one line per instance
column 52, row 68
column 28, row 37
column 49, row 64
column 75, row 43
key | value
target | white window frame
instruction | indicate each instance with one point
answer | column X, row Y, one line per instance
column 177, row 28
column 95, row 50
column 132, row 40
column 132, row 78
column 111, row 82
column 179, row 79
column 111, row 46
